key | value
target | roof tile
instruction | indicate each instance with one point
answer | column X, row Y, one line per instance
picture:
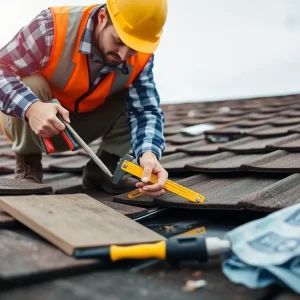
column 279, row 161
column 222, row 162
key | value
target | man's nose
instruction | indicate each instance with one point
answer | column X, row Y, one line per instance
column 125, row 52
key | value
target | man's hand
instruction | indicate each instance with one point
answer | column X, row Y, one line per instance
column 149, row 162
column 42, row 118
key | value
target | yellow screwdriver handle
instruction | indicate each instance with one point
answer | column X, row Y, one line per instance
column 142, row 251
column 171, row 186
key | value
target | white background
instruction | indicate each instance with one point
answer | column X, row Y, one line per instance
column 210, row 50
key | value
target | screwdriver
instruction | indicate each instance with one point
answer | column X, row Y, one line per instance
column 172, row 250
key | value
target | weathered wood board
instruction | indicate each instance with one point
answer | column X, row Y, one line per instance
column 76, row 221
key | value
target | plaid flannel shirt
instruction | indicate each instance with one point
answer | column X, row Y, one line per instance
column 30, row 50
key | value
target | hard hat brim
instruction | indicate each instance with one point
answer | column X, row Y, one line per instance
column 135, row 43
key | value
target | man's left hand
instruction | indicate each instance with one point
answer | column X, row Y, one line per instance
column 149, row 162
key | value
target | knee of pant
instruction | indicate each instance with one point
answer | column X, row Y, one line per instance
column 39, row 86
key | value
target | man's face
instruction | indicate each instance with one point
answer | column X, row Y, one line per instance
column 110, row 46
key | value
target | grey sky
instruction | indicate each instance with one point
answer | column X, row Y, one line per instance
column 210, row 50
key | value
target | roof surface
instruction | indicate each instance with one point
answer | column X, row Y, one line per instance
column 248, row 162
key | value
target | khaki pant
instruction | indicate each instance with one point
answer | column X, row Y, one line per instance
column 109, row 121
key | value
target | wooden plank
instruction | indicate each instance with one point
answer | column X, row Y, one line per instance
column 6, row 221
column 26, row 256
column 72, row 185
column 76, row 221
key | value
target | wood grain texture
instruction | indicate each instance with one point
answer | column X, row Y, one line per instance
column 72, row 186
column 76, row 221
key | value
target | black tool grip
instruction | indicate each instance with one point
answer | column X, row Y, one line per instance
column 102, row 253
column 68, row 137
column 186, row 248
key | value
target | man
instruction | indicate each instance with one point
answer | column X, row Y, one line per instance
column 90, row 59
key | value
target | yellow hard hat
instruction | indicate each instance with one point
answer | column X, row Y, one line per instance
column 139, row 23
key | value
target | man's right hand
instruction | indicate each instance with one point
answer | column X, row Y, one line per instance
column 43, row 120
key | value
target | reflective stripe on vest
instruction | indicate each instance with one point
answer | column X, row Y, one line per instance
column 66, row 66
column 67, row 69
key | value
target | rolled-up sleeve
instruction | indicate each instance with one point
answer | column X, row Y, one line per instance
column 146, row 118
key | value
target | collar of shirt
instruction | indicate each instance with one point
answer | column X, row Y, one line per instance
column 86, row 46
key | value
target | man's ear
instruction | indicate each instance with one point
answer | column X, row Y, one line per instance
column 102, row 17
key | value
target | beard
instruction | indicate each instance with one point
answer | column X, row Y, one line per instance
column 109, row 58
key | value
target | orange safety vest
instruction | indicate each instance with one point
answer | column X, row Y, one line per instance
column 67, row 69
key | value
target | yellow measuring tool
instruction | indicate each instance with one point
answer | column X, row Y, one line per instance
column 127, row 166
